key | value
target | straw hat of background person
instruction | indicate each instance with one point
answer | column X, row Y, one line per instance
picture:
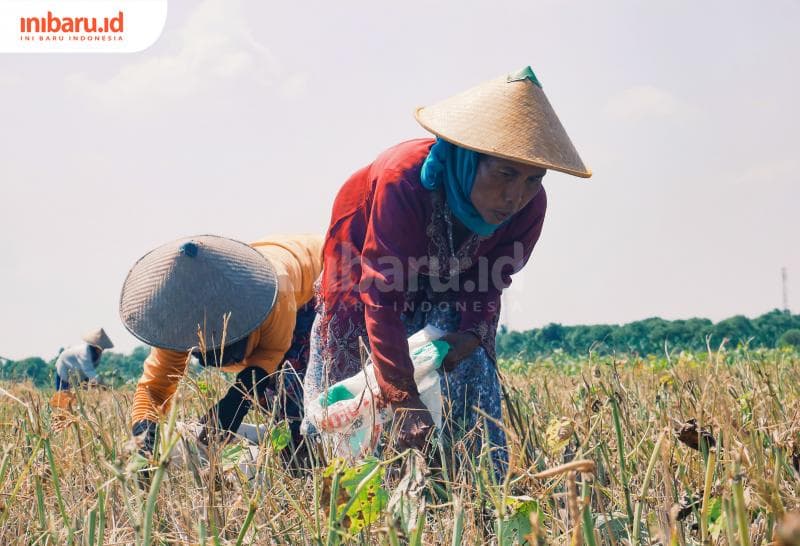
column 98, row 338
column 508, row 117
column 187, row 288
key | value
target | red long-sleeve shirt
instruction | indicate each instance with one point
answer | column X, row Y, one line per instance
column 386, row 229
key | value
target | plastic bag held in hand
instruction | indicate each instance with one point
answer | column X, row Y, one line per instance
column 348, row 415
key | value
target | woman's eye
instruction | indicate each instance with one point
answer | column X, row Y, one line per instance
column 506, row 174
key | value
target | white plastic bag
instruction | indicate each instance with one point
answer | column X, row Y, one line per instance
column 347, row 415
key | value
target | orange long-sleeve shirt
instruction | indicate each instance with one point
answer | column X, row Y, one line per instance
column 297, row 260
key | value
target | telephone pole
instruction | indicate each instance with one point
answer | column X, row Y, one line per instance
column 784, row 279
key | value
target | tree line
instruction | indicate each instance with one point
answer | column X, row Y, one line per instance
column 649, row 336
column 115, row 369
column 652, row 336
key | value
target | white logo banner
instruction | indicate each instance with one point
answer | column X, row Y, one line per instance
column 72, row 26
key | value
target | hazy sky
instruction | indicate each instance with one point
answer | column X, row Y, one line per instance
column 246, row 117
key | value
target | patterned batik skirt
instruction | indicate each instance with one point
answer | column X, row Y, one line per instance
column 474, row 383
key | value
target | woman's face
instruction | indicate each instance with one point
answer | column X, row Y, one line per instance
column 503, row 187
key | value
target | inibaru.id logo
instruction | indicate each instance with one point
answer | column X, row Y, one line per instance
column 51, row 23
column 67, row 26
column 32, row 28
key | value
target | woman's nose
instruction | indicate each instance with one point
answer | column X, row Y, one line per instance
column 513, row 193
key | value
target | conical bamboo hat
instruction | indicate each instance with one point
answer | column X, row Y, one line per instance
column 98, row 338
column 508, row 117
column 192, row 284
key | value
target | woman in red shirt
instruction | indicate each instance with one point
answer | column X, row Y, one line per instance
column 430, row 233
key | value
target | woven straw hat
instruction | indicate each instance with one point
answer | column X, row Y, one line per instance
column 508, row 117
column 98, row 338
column 189, row 285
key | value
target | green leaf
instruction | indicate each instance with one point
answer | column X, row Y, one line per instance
column 333, row 467
column 370, row 501
column 517, row 525
column 136, row 463
column 558, row 434
column 714, row 509
column 353, row 475
column 615, row 526
column 280, row 437
column 716, row 528
column 231, row 456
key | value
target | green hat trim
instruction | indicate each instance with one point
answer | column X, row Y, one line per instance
column 524, row 74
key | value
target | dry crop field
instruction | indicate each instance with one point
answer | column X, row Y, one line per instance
column 690, row 449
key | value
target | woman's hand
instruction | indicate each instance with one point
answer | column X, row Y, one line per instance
column 462, row 344
column 145, row 434
column 415, row 423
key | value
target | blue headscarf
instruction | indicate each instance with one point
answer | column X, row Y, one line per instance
column 455, row 167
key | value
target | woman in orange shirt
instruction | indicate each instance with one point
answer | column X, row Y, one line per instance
column 246, row 309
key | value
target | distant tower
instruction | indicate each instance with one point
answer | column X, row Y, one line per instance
column 785, row 291
column 505, row 310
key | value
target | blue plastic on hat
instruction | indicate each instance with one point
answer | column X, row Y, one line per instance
column 189, row 249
